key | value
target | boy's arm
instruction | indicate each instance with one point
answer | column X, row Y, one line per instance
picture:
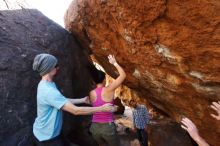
column 133, row 120
column 75, row 110
column 79, row 101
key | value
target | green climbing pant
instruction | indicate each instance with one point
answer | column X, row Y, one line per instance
column 105, row 133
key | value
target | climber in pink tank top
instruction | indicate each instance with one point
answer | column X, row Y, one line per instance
column 101, row 117
column 103, row 128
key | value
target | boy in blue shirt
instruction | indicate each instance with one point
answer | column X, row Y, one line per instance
column 50, row 103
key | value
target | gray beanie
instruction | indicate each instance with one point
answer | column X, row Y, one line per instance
column 44, row 63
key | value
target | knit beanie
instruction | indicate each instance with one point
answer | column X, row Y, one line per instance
column 44, row 63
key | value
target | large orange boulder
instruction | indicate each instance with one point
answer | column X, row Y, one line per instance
column 170, row 51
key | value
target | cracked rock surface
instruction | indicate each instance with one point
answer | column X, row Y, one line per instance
column 170, row 50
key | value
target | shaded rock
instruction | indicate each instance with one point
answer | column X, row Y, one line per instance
column 23, row 34
column 169, row 50
column 161, row 132
column 121, row 107
column 168, row 133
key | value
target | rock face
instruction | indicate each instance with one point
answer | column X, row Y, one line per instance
column 23, row 34
column 162, row 132
column 170, row 51
column 167, row 133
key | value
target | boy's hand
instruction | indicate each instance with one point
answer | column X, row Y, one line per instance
column 87, row 100
column 108, row 107
column 134, row 129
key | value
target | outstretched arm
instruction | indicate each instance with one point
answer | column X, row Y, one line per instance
column 191, row 128
column 75, row 110
column 80, row 100
column 118, row 81
column 216, row 106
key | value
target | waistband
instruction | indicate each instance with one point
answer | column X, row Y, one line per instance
column 106, row 123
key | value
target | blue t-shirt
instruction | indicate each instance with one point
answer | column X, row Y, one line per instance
column 48, row 123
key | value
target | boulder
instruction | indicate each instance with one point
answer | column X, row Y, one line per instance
column 164, row 132
column 170, row 51
column 25, row 33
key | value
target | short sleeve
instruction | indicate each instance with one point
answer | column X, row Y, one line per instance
column 56, row 99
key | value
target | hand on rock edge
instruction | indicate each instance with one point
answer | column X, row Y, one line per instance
column 216, row 106
column 112, row 59
column 190, row 127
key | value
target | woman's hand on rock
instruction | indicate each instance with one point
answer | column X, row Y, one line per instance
column 112, row 59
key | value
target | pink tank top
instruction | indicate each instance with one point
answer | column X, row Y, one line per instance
column 101, row 117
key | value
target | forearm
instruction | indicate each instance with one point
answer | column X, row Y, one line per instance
column 201, row 142
column 77, row 101
column 120, row 70
column 75, row 110
column 87, row 110
column 133, row 121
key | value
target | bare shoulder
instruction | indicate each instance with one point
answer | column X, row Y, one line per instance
column 107, row 94
column 92, row 95
column 108, row 89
